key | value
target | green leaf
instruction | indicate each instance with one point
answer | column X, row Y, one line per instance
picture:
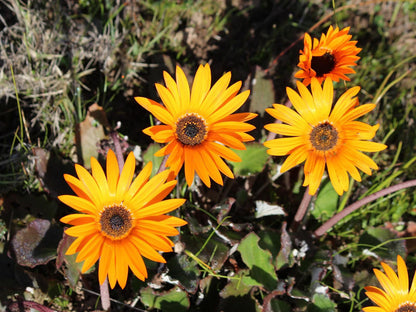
column 381, row 241
column 270, row 240
column 238, row 304
column 258, row 260
column 321, row 303
column 148, row 156
column 213, row 253
column 184, row 270
column 174, row 300
column 253, row 159
column 284, row 257
column 71, row 269
column 279, row 305
column 262, row 95
column 326, row 203
column 238, row 287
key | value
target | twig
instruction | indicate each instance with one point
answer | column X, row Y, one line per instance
column 351, row 208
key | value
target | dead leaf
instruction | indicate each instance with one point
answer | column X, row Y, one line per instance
column 91, row 132
column 36, row 244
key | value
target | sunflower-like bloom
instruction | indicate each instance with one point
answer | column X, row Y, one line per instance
column 331, row 56
column 199, row 124
column 324, row 136
column 120, row 221
column 396, row 296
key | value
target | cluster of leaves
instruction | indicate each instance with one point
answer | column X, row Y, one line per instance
column 240, row 250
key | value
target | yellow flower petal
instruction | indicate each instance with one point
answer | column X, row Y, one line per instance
column 146, row 250
column 125, row 177
column 200, row 87
column 232, row 105
column 113, row 173
column 183, row 88
column 135, row 259
column 160, row 208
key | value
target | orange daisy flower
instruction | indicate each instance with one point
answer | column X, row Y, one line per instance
column 331, row 56
column 199, row 124
column 396, row 295
column 120, row 221
column 324, row 136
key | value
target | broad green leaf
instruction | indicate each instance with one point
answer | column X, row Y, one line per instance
column 212, row 251
column 258, row 260
column 270, row 240
column 279, row 305
column 262, row 95
column 149, row 155
column 284, row 257
column 71, row 269
column 174, row 300
column 381, row 241
column 253, row 159
column 238, row 287
column 239, row 304
column 184, row 270
column 326, row 203
column 321, row 303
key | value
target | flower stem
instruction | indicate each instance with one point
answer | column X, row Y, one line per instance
column 117, row 147
column 163, row 164
column 105, row 295
column 303, row 208
column 351, row 208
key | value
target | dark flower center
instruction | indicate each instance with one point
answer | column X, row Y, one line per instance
column 323, row 64
column 191, row 129
column 324, row 136
column 407, row 306
column 116, row 221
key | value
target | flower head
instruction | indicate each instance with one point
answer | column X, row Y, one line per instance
column 120, row 221
column 396, row 296
column 323, row 135
column 331, row 56
column 198, row 125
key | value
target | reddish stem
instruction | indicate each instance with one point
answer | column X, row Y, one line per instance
column 105, row 295
column 25, row 305
column 351, row 208
column 303, row 208
column 117, row 148
column 163, row 164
